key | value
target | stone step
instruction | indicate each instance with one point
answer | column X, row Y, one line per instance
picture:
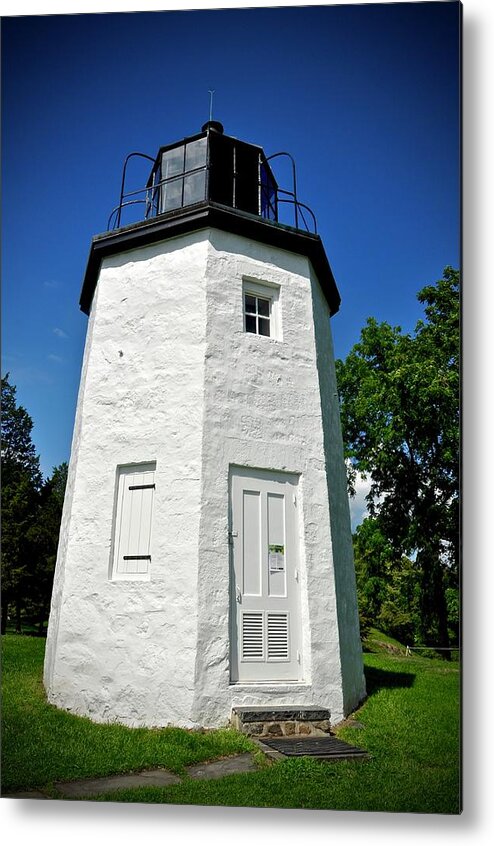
column 286, row 721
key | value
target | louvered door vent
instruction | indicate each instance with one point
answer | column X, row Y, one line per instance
column 277, row 637
column 252, row 636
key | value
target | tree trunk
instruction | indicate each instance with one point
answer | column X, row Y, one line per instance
column 41, row 621
column 434, row 610
column 5, row 614
column 441, row 611
column 18, row 610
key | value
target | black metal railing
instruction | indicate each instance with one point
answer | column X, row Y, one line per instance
column 271, row 196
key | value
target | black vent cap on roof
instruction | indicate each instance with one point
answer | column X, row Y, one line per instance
column 215, row 125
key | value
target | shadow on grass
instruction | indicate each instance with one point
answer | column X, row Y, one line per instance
column 377, row 679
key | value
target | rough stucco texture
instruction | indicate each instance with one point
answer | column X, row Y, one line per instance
column 169, row 375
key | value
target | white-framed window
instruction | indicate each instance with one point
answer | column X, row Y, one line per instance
column 257, row 311
column 261, row 309
column 133, row 522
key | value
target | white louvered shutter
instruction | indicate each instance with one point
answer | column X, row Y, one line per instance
column 277, row 637
column 252, row 636
column 133, row 525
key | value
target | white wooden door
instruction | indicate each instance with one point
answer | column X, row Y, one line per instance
column 265, row 630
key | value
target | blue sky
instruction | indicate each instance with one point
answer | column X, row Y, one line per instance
column 364, row 97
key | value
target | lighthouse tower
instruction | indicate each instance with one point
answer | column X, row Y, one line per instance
column 205, row 558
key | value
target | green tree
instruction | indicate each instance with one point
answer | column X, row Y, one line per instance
column 387, row 584
column 400, row 611
column 399, row 397
column 372, row 553
column 42, row 543
column 21, row 483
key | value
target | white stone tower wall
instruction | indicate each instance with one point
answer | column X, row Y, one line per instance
column 171, row 376
column 57, row 596
column 262, row 409
column 353, row 680
column 125, row 650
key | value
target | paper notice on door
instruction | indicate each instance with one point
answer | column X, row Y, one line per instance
column 276, row 558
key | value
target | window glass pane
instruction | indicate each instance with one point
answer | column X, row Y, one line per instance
column 250, row 304
column 194, row 187
column 263, row 326
column 250, row 324
column 263, row 307
column 172, row 195
column 172, row 162
column 195, row 154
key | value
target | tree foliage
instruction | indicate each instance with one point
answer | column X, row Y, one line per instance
column 31, row 513
column 21, row 482
column 387, row 584
column 399, row 397
column 42, row 543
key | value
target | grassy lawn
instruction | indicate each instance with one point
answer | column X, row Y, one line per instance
column 411, row 729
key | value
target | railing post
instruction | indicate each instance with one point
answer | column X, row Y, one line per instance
column 294, row 180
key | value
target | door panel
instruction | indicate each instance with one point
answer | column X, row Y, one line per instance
column 265, row 632
column 276, row 545
column 251, row 535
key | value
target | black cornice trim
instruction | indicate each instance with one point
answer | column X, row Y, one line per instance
column 203, row 216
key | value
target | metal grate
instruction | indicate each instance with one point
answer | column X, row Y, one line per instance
column 328, row 748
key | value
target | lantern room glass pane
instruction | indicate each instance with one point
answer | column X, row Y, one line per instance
column 194, row 187
column 195, row 154
column 268, row 194
column 172, row 195
column 172, row 162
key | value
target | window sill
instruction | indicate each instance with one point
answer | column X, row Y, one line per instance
column 141, row 577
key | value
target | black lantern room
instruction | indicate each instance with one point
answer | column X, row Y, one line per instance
column 207, row 167
column 215, row 167
column 216, row 180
